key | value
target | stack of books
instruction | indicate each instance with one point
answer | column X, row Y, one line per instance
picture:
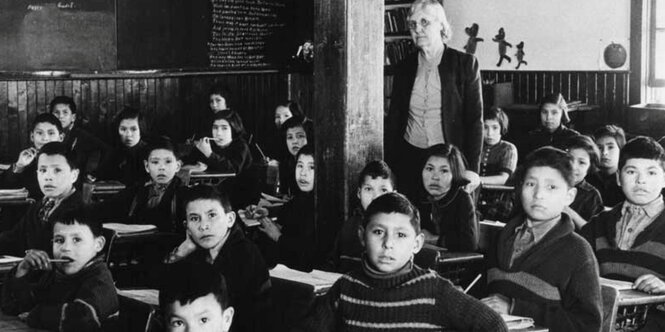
column 108, row 187
column 13, row 194
column 130, row 229
column 395, row 21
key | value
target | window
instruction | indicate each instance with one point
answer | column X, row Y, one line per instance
column 655, row 51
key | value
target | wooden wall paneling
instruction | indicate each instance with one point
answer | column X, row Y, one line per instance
column 59, row 88
column 22, row 108
column 40, row 93
column 12, row 117
column 67, row 86
column 111, row 101
column 50, row 90
column 622, row 98
column 4, row 124
column 94, row 102
column 31, row 100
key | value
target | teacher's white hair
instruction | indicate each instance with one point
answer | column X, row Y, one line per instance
column 439, row 13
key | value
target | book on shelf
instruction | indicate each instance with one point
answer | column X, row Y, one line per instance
column 320, row 281
column 517, row 322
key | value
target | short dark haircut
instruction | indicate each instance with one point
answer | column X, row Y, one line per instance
column 222, row 90
column 234, row 120
column 393, row 202
column 376, row 169
column 642, row 147
column 548, row 156
column 307, row 150
column 188, row 280
column 46, row 118
column 65, row 100
column 207, row 192
column 293, row 106
column 585, row 143
column 161, row 143
column 613, row 131
column 557, row 99
column 81, row 217
column 59, row 149
column 455, row 159
column 302, row 122
column 496, row 113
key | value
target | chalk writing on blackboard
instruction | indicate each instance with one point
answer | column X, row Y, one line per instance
column 240, row 32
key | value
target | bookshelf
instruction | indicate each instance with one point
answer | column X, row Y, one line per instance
column 398, row 41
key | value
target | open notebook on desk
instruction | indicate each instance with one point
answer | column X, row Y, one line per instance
column 130, row 229
column 321, row 281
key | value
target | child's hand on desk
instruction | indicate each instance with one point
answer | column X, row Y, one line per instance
column 204, row 146
column 649, row 283
column 270, row 228
column 33, row 260
column 498, row 303
column 255, row 212
column 474, row 181
column 25, row 158
column 23, row 316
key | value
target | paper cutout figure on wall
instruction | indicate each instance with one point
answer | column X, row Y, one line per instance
column 473, row 40
column 501, row 39
column 520, row 55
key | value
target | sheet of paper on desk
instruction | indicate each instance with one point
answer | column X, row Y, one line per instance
column 517, row 322
column 320, row 280
column 13, row 193
column 616, row 284
column 9, row 260
column 273, row 199
column 130, row 228
column 149, row 296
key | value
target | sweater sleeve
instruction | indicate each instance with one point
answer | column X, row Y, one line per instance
column 465, row 313
column 580, row 308
column 94, row 302
column 323, row 316
column 465, row 235
column 17, row 294
column 473, row 114
column 235, row 158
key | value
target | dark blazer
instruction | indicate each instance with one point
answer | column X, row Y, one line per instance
column 88, row 149
column 26, row 179
column 31, row 233
column 461, row 104
column 125, row 165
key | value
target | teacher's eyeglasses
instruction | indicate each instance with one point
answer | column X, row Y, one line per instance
column 413, row 25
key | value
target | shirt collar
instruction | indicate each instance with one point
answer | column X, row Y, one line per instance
column 433, row 62
column 58, row 200
column 539, row 229
column 652, row 209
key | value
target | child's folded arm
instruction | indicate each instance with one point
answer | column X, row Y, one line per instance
column 462, row 312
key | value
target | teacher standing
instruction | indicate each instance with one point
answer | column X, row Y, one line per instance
column 436, row 98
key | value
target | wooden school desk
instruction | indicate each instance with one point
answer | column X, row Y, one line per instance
column 100, row 190
column 626, row 309
column 190, row 178
column 13, row 324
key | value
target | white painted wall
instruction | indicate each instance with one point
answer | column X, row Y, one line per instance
column 557, row 34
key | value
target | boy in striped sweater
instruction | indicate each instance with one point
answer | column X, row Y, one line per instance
column 389, row 292
column 540, row 268
column 629, row 240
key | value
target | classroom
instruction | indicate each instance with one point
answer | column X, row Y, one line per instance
column 332, row 165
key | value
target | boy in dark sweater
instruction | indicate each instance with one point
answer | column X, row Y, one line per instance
column 195, row 298
column 88, row 148
column 389, row 291
column 375, row 180
column 540, row 267
column 75, row 293
column 156, row 202
column 23, row 173
column 628, row 239
column 56, row 172
column 214, row 238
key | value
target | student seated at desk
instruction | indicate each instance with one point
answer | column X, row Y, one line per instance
column 540, row 268
column 293, row 237
column 552, row 130
column 610, row 140
column 587, row 202
column 389, row 291
column 56, row 174
column 499, row 157
column 213, row 237
column 375, row 179
column 74, row 294
column 156, row 202
column 226, row 152
column 296, row 133
column 194, row 297
column 448, row 213
column 23, row 173
column 89, row 149
column 125, row 162
column 628, row 239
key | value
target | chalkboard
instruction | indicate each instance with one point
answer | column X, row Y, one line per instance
column 57, row 35
column 212, row 34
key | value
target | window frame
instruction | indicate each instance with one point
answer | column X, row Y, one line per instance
column 652, row 80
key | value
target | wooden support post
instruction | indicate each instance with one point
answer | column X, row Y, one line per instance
column 348, row 102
